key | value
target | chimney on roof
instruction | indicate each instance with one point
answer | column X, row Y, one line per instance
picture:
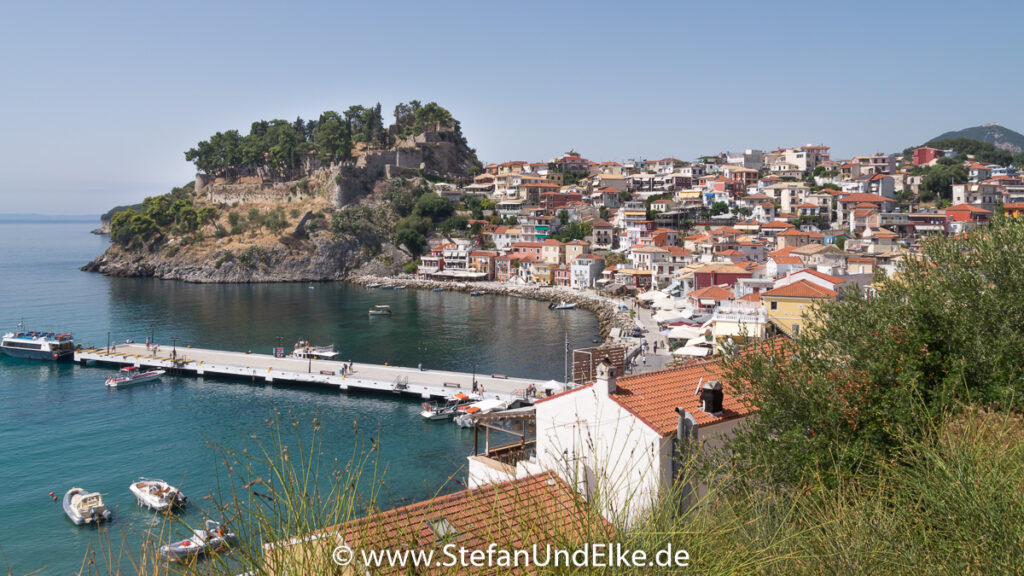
column 711, row 397
column 605, row 380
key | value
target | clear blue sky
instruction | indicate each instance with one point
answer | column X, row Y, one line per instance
column 100, row 100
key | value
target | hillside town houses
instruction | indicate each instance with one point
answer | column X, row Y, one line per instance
column 684, row 225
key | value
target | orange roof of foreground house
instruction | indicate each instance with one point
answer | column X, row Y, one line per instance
column 800, row 289
column 517, row 514
column 654, row 396
column 716, row 293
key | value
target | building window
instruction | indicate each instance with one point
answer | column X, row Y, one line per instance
column 774, row 305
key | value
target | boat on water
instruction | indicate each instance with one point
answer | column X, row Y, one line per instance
column 477, row 293
column 37, row 345
column 387, row 287
column 438, row 290
column 400, row 287
column 131, row 376
column 208, row 540
column 84, row 507
column 467, row 412
column 435, row 411
column 380, row 310
column 374, row 285
column 304, row 350
column 563, row 305
column 157, row 494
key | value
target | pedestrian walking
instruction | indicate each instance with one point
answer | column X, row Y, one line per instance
column 644, row 358
column 655, row 346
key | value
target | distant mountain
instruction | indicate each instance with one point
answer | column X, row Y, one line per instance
column 1002, row 138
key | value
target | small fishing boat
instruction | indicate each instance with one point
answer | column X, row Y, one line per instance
column 387, row 287
column 85, row 507
column 467, row 412
column 563, row 305
column 157, row 494
column 438, row 290
column 380, row 310
column 434, row 411
column 130, row 376
column 211, row 539
column 477, row 293
column 400, row 287
column 303, row 350
column 374, row 285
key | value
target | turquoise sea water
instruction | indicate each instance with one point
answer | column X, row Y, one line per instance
column 60, row 427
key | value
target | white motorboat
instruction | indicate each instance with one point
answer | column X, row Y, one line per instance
column 563, row 305
column 477, row 293
column 130, row 376
column 85, row 507
column 467, row 412
column 213, row 538
column 380, row 310
column 304, row 350
column 434, row 411
column 374, row 285
column 157, row 494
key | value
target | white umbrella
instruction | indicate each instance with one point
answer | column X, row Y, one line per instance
column 651, row 295
column 667, row 316
column 552, row 385
column 684, row 332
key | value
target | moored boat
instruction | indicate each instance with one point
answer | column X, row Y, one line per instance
column 304, row 350
column 157, row 494
column 563, row 305
column 213, row 538
column 130, row 376
column 435, row 411
column 37, row 345
column 84, row 507
column 477, row 293
column 380, row 310
column 467, row 412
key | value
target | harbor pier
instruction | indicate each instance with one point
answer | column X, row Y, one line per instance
column 424, row 384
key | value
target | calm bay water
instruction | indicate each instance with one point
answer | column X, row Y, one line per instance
column 59, row 427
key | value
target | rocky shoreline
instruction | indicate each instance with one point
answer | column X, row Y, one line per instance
column 606, row 309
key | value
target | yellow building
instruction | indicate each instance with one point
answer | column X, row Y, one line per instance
column 787, row 304
column 553, row 252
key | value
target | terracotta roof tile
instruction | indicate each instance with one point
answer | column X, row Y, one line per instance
column 654, row 396
column 517, row 514
column 800, row 289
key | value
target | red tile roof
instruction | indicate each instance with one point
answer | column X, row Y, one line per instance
column 826, row 277
column 786, row 260
column 654, row 396
column 716, row 293
column 800, row 289
column 517, row 514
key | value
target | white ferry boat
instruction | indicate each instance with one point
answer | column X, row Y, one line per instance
column 38, row 345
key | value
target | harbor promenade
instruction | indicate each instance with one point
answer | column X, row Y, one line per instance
column 425, row 384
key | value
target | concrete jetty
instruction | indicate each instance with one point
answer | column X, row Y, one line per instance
column 425, row 384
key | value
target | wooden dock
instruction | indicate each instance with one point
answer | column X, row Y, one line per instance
column 425, row 384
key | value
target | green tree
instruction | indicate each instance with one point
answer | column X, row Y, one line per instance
column 411, row 232
column 869, row 375
column 719, row 208
column 331, row 137
column 432, row 206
